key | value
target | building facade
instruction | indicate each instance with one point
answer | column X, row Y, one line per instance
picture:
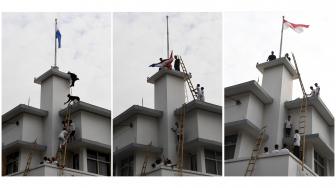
column 89, row 153
column 249, row 107
column 140, row 131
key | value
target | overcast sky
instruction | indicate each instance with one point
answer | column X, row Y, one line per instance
column 249, row 37
column 28, row 52
column 139, row 39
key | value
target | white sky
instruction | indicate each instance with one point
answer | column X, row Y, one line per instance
column 140, row 40
column 249, row 37
column 28, row 52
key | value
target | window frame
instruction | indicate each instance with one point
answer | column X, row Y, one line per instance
column 217, row 159
column 98, row 161
column 319, row 164
column 230, row 144
column 15, row 161
column 129, row 165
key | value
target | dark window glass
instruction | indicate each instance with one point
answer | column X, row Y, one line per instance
column 319, row 164
column 230, row 146
column 75, row 161
column 98, row 163
column 12, row 163
column 213, row 162
column 193, row 162
column 127, row 166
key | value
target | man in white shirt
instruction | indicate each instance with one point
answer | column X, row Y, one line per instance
column 288, row 126
column 202, row 93
column 198, row 91
column 61, row 137
column 317, row 90
column 312, row 92
column 296, row 144
column 276, row 149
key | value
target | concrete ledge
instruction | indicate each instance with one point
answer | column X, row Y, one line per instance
column 162, row 170
column 22, row 144
column 163, row 72
column 249, row 87
column 197, row 104
column 318, row 104
column 55, row 171
column 83, row 106
column 22, row 108
column 136, row 147
column 201, row 142
column 278, row 62
column 136, row 110
column 243, row 124
column 78, row 143
column 53, row 71
column 320, row 145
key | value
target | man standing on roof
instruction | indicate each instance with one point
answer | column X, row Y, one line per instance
column 271, row 57
column 288, row 126
column 177, row 63
column 297, row 140
column 312, row 93
column 317, row 90
column 198, row 91
column 202, row 98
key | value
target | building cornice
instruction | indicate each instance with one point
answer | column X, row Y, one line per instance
column 136, row 110
column 17, row 144
column 53, row 71
column 319, row 106
column 163, row 72
column 22, row 108
column 200, row 105
column 278, row 62
column 249, row 87
column 83, row 106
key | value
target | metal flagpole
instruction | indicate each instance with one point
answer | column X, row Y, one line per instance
column 167, row 39
column 55, row 42
column 283, row 18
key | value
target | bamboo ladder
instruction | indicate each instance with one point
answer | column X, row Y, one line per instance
column 302, row 116
column 30, row 156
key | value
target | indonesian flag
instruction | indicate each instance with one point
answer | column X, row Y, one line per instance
column 296, row 27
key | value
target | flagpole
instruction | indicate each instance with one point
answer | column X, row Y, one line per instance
column 55, row 42
column 167, row 39
column 283, row 18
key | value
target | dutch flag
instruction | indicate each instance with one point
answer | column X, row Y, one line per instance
column 58, row 37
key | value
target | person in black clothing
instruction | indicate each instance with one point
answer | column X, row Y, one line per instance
column 177, row 63
column 271, row 57
column 287, row 56
column 73, row 77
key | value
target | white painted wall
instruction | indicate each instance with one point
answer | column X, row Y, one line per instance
column 147, row 129
column 321, row 127
column 191, row 126
column 209, row 126
column 32, row 128
column 12, row 132
column 234, row 112
column 95, row 128
column 255, row 111
column 245, row 144
column 124, row 135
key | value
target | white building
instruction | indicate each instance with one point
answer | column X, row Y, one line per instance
column 88, row 154
column 249, row 107
column 139, row 131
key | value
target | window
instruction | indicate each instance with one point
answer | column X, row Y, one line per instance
column 98, row 163
column 230, row 146
column 193, row 162
column 12, row 163
column 319, row 164
column 127, row 166
column 213, row 162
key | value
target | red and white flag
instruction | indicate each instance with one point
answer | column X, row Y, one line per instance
column 296, row 27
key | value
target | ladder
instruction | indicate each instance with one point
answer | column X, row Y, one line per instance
column 30, row 156
column 302, row 115
column 144, row 165
column 61, row 156
column 181, row 140
column 255, row 153
column 190, row 85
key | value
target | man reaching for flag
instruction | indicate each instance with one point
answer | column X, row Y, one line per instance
column 164, row 62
